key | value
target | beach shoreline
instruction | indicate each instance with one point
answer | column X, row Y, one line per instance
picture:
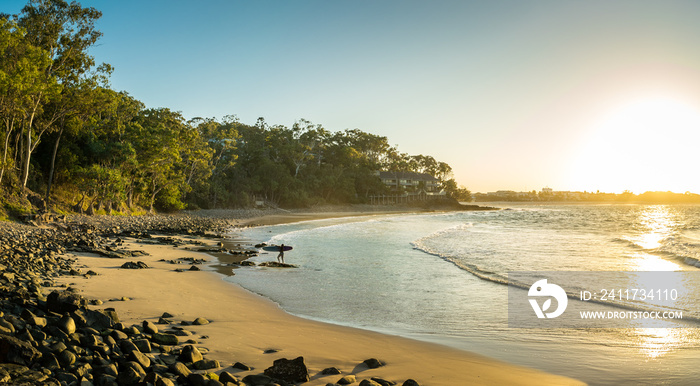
column 244, row 325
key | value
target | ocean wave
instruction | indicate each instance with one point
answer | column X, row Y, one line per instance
column 473, row 269
column 572, row 293
column 420, row 243
column 678, row 249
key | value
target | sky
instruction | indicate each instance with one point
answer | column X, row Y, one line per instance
column 514, row 95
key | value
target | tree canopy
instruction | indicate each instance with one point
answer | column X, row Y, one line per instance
column 65, row 132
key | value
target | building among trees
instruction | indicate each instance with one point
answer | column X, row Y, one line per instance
column 409, row 181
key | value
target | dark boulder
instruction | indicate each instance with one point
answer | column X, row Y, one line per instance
column 179, row 368
column 347, row 380
column 275, row 264
column 165, row 339
column 200, row 322
column 13, row 350
column 294, row 370
column 67, row 358
column 197, row 380
column 130, row 373
column 64, row 301
column 134, row 265
column 144, row 345
column 118, row 335
column 66, row 378
column 190, row 354
column 107, row 369
column 13, row 374
column 241, row 366
column 256, row 380
column 149, row 327
column 140, row 358
column 207, row 364
column 226, row 377
column 373, row 363
column 67, row 325
column 100, row 319
column 383, row 382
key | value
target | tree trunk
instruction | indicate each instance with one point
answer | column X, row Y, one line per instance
column 28, row 154
column 153, row 197
column 51, row 170
column 17, row 148
column 4, row 151
column 25, row 161
column 91, row 206
column 150, row 209
column 130, row 194
column 79, row 206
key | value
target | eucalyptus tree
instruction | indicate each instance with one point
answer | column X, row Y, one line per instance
column 25, row 83
column 308, row 140
column 65, row 32
column 106, row 141
column 81, row 105
column 222, row 139
column 169, row 151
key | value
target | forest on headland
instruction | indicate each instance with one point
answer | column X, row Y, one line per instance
column 71, row 142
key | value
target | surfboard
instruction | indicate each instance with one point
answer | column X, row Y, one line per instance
column 276, row 248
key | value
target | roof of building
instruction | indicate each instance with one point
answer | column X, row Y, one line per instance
column 407, row 176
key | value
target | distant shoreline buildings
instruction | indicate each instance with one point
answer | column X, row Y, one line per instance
column 548, row 194
column 409, row 181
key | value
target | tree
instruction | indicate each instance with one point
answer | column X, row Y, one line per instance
column 309, row 139
column 168, row 151
column 65, row 32
column 79, row 104
column 25, row 82
column 459, row 193
column 103, row 184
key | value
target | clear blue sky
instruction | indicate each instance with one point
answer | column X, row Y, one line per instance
column 513, row 94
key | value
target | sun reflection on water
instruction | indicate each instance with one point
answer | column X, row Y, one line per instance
column 656, row 225
column 648, row 262
column 656, row 342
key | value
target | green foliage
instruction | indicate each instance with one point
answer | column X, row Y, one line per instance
column 169, row 199
column 459, row 193
column 14, row 207
column 105, row 152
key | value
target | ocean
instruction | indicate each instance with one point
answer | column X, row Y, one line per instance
column 442, row 278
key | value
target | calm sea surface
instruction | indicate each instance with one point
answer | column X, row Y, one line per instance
column 442, row 278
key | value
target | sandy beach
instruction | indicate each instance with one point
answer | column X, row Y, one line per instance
column 244, row 325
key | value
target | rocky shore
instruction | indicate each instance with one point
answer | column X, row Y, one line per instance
column 51, row 335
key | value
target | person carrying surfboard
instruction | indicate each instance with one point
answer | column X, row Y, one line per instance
column 281, row 255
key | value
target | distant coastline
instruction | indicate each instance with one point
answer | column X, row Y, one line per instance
column 548, row 195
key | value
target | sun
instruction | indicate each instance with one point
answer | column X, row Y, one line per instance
column 648, row 144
